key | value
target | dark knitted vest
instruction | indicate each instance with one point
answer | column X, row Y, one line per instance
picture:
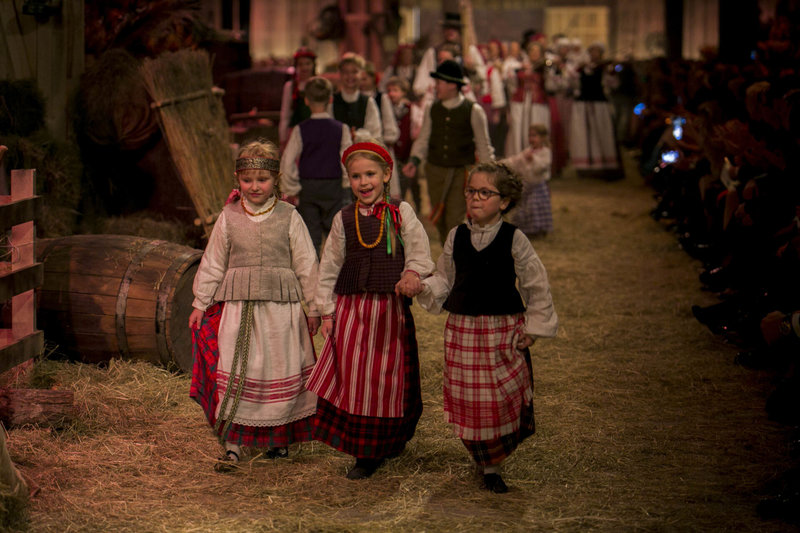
column 592, row 86
column 300, row 111
column 367, row 269
column 353, row 114
column 485, row 282
column 322, row 138
column 452, row 143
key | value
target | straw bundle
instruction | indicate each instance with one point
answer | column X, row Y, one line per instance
column 193, row 122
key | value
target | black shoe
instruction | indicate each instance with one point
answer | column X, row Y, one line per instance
column 277, row 453
column 364, row 468
column 494, row 483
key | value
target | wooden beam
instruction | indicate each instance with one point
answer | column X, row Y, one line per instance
column 21, row 350
column 21, row 280
column 20, row 211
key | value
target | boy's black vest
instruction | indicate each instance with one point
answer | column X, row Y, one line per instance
column 367, row 269
column 322, row 140
column 452, row 142
column 486, row 282
column 353, row 114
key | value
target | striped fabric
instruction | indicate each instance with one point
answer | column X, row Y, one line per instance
column 204, row 391
column 592, row 143
column 374, row 437
column 534, row 214
column 486, row 379
column 360, row 369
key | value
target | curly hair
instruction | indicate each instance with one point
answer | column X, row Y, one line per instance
column 507, row 181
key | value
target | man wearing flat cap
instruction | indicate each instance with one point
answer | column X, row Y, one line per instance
column 454, row 129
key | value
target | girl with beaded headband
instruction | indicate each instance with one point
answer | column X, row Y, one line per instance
column 252, row 341
column 367, row 376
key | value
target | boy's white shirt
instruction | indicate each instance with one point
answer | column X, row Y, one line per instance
column 540, row 315
column 214, row 263
column 416, row 248
column 372, row 119
column 290, row 178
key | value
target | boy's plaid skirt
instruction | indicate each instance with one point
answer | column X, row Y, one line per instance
column 205, row 353
column 487, row 380
column 492, row 452
column 376, row 437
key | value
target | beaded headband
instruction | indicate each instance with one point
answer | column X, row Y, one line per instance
column 371, row 148
column 258, row 163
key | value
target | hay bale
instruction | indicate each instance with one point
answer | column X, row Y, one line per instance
column 193, row 122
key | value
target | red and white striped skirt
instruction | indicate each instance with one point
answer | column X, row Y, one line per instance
column 360, row 369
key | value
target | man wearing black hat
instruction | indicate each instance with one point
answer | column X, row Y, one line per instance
column 454, row 128
column 451, row 30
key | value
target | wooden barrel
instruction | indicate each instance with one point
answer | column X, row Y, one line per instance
column 109, row 296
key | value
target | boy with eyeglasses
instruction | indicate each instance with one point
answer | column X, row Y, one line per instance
column 493, row 284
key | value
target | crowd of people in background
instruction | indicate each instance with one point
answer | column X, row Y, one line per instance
column 719, row 144
column 717, row 140
column 550, row 87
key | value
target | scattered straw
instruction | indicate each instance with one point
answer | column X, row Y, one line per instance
column 643, row 421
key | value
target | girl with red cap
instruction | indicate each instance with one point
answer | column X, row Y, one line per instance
column 367, row 376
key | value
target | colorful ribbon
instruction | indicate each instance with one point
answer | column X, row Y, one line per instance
column 393, row 221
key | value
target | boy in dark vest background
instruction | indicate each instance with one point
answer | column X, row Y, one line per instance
column 312, row 175
column 358, row 111
column 453, row 130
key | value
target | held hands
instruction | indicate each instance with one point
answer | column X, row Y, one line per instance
column 195, row 318
column 525, row 341
column 327, row 327
column 313, row 324
column 409, row 285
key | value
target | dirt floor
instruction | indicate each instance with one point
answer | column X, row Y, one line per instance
column 643, row 420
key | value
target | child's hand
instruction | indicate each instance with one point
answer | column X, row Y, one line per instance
column 313, row 324
column 195, row 318
column 525, row 341
column 409, row 285
column 327, row 327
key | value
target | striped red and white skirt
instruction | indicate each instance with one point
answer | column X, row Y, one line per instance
column 352, row 369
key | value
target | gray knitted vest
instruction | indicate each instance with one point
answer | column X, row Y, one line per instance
column 260, row 258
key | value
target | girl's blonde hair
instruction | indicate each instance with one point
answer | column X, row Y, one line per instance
column 262, row 148
column 372, row 156
column 542, row 131
column 505, row 179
